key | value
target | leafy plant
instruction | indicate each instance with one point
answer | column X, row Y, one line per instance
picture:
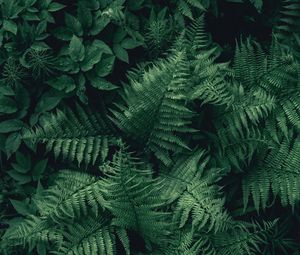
column 149, row 127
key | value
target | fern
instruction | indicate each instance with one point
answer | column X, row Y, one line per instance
column 41, row 62
column 82, row 136
column 74, row 195
column 199, row 40
column 240, row 238
column 278, row 174
column 243, row 238
column 287, row 27
column 132, row 196
column 195, row 194
column 210, row 82
column 237, row 149
column 185, row 7
column 159, row 32
column 155, row 113
column 92, row 236
column 31, row 232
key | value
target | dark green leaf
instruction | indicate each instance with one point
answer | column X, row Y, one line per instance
column 10, row 125
column 23, row 161
column 73, row 24
column 19, row 177
column 92, row 57
column 63, row 33
column 76, row 49
column 47, row 103
column 84, row 16
column 41, row 248
column 121, row 53
column 10, row 26
column 102, row 84
column 63, row 83
column 99, row 25
column 12, row 143
column 21, row 207
column 53, row 7
column 129, row 43
column 39, row 169
column 105, row 66
column 7, row 105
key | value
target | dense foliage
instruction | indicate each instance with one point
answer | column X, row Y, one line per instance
column 150, row 127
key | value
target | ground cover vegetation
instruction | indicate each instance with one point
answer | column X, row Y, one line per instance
column 150, row 127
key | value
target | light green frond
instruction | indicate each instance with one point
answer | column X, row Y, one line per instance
column 73, row 195
column 155, row 112
column 195, row 194
column 92, row 236
column 278, row 174
column 83, row 136
column 133, row 198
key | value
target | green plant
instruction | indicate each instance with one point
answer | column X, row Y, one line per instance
column 149, row 127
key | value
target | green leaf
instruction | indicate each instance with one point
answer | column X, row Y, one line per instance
column 40, row 46
column 20, row 169
column 23, row 161
column 129, row 43
column 39, row 169
column 10, row 125
column 73, row 24
column 12, row 143
column 258, row 4
column 6, row 90
column 22, row 99
column 63, row 33
column 41, row 27
column 102, row 84
column 31, row 17
column 105, row 66
column 76, row 49
column 84, row 16
column 7, row 105
column 53, row 7
column 19, row 177
column 29, row 3
column 136, row 5
column 103, row 46
column 41, row 248
column 47, row 103
column 10, row 26
column 99, row 25
column 92, row 57
column 119, row 35
column 21, row 207
column 63, row 83
column 121, row 53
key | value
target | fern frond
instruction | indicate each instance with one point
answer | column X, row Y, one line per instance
column 159, row 32
column 210, row 82
column 243, row 238
column 73, row 195
column 288, row 21
column 195, row 194
column 132, row 196
column 249, row 63
column 237, row 148
column 155, row 112
column 248, row 108
column 32, row 231
column 82, row 135
column 278, row 174
column 91, row 236
column 199, row 40
column 185, row 7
